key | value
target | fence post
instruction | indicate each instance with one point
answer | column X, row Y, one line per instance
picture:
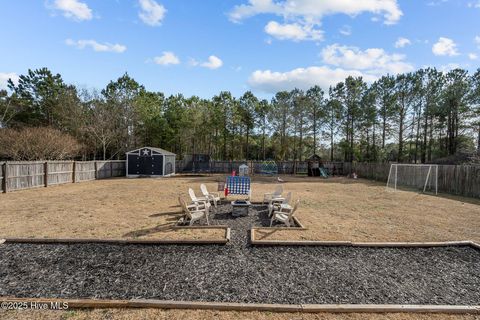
column 74, row 165
column 4, row 175
column 111, row 169
column 45, row 172
column 95, row 166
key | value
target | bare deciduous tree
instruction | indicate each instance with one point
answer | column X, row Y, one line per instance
column 40, row 143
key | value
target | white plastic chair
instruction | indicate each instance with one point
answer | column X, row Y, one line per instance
column 267, row 197
column 191, row 213
column 211, row 196
column 285, row 215
column 276, row 203
column 197, row 200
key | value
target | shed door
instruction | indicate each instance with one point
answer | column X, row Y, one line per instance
column 146, row 165
column 156, row 165
column 134, row 165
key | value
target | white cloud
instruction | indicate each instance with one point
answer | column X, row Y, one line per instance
column 309, row 13
column 99, row 47
column 445, row 47
column 292, row 31
column 345, row 30
column 474, row 4
column 402, row 42
column 339, row 63
column 375, row 60
column 166, row 59
column 212, row 63
column 315, row 10
column 435, row 3
column 152, row 13
column 73, row 9
column 302, row 78
column 477, row 41
column 4, row 76
column 472, row 56
column 449, row 67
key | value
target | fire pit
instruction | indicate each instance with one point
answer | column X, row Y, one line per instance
column 240, row 208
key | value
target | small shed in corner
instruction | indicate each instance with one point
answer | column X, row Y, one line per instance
column 150, row 162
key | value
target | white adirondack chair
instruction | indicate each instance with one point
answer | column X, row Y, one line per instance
column 276, row 203
column 267, row 197
column 285, row 214
column 211, row 196
column 191, row 214
column 198, row 201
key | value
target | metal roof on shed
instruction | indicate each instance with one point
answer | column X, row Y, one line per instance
column 159, row 150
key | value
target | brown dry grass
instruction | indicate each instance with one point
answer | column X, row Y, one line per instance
column 129, row 314
column 116, row 208
column 342, row 209
column 335, row 209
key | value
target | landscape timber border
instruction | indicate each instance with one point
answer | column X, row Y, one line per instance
column 225, row 240
column 228, row 306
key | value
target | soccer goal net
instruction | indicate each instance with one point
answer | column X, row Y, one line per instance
column 419, row 176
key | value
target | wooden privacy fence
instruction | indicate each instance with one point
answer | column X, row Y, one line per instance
column 284, row 167
column 461, row 180
column 454, row 179
column 15, row 175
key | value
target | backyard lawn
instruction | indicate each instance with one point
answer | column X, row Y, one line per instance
column 334, row 209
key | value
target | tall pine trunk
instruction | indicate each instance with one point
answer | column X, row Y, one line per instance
column 478, row 140
column 301, row 138
column 400, row 139
column 374, row 146
column 417, row 137
column 425, row 135
column 314, row 132
column 351, row 140
column 263, row 143
column 247, row 149
column 332, row 145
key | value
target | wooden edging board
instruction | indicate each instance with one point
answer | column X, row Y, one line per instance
column 121, row 241
column 226, row 306
column 299, row 228
column 254, row 241
column 225, row 227
column 475, row 244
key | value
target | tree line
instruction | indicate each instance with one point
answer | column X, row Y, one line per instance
column 415, row 117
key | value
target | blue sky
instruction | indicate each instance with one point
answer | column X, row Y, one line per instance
column 202, row 47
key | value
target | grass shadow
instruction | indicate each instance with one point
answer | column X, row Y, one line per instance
column 148, row 231
column 161, row 214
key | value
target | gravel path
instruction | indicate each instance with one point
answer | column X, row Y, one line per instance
column 238, row 272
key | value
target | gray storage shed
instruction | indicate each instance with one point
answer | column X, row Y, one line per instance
column 150, row 162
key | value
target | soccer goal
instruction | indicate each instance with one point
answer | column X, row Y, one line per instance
column 419, row 176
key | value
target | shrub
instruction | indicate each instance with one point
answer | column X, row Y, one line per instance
column 39, row 143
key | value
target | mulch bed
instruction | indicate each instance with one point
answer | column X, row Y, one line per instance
column 238, row 272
